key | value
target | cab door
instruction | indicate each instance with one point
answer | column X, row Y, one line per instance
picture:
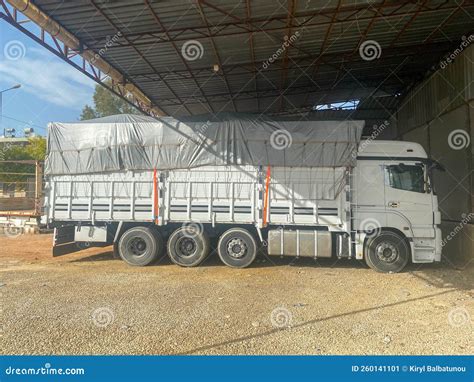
column 407, row 193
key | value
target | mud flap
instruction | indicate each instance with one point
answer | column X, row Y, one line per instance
column 63, row 241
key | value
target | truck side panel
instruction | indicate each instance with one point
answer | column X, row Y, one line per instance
column 210, row 194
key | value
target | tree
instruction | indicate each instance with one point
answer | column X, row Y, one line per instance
column 106, row 103
column 36, row 148
column 88, row 113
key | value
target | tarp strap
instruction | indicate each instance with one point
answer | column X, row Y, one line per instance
column 265, row 200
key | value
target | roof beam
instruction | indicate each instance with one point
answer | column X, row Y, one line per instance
column 216, row 52
column 252, row 52
column 407, row 25
column 350, row 85
column 75, row 46
column 142, row 56
column 284, row 73
column 245, row 26
column 445, row 21
column 183, row 60
column 304, row 62
column 361, row 40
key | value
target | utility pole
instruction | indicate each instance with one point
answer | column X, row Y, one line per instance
column 17, row 86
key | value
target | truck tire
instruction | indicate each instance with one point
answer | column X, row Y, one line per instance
column 188, row 248
column 237, row 248
column 388, row 252
column 140, row 246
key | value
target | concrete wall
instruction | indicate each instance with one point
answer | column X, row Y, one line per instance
column 442, row 105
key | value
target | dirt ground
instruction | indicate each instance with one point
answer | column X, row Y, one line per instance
column 91, row 303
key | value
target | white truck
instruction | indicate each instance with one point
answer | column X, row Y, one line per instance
column 293, row 188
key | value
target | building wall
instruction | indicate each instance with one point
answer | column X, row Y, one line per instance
column 442, row 105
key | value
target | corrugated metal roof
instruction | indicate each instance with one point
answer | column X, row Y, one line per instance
column 246, row 40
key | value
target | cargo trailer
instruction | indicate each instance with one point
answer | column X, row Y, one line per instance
column 150, row 186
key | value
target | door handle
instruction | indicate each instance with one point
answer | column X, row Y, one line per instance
column 393, row 204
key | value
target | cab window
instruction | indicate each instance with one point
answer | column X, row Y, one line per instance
column 405, row 177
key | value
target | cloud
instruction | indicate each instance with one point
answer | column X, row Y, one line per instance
column 47, row 78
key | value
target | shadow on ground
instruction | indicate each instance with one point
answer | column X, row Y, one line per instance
column 310, row 322
column 439, row 275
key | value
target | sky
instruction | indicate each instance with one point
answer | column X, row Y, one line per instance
column 51, row 90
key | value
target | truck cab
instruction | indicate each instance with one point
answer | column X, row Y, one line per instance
column 395, row 207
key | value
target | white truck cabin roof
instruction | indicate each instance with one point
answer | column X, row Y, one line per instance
column 392, row 149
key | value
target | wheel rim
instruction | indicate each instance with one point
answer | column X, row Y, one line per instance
column 186, row 246
column 386, row 252
column 138, row 246
column 237, row 248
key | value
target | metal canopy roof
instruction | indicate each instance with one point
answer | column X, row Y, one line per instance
column 263, row 56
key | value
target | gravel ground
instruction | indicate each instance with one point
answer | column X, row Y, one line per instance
column 90, row 303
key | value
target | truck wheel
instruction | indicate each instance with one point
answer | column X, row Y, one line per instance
column 237, row 248
column 188, row 248
column 140, row 246
column 387, row 252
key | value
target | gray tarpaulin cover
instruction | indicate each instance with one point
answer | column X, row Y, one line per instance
column 132, row 142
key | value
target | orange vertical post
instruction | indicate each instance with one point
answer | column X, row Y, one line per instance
column 265, row 201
